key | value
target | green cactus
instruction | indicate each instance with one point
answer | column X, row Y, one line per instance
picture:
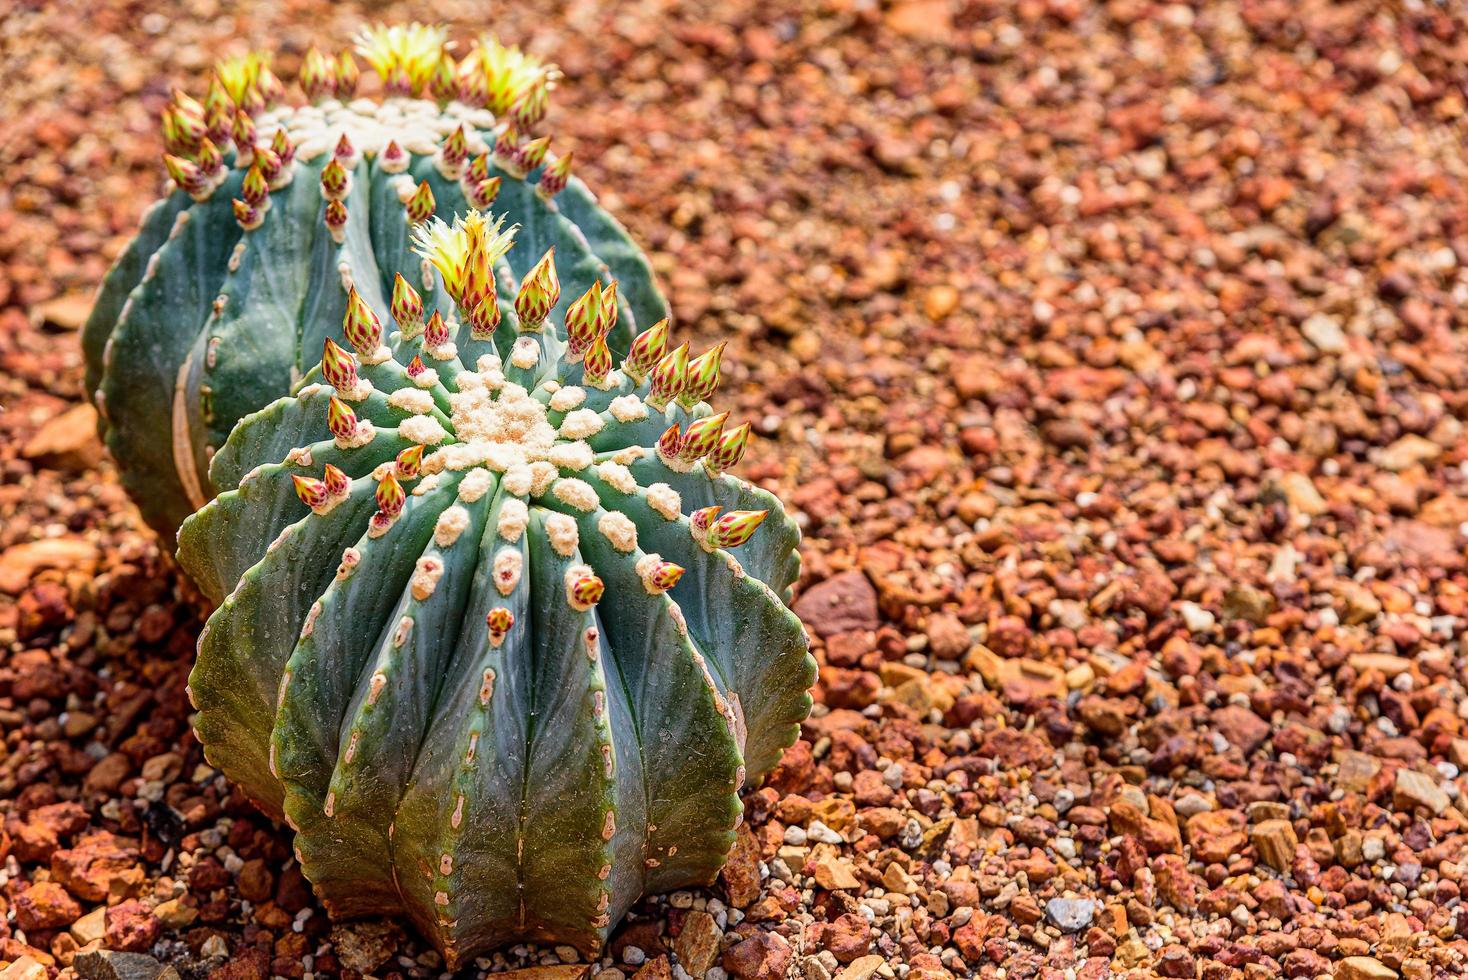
column 480, row 638
column 221, row 302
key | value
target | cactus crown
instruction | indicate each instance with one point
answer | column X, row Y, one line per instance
column 482, row 638
column 223, row 300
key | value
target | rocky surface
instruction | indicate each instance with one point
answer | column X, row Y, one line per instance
column 1113, row 354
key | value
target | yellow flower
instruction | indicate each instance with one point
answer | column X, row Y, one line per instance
column 448, row 247
column 414, row 48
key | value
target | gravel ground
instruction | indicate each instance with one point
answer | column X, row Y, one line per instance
column 1113, row 354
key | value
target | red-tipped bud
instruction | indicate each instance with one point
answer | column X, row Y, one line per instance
column 664, row 575
column 282, row 147
column 478, row 168
column 246, row 215
column 338, row 367
column 606, row 317
column 243, row 134
column 210, row 160
column 269, row 164
column 254, row 189
column 185, row 173
column 481, row 194
column 407, row 306
column 436, row 332
column 182, row 131
column 529, row 108
column 500, row 620
column 730, row 450
column 344, row 150
column 585, row 590
column 532, row 154
column 483, row 317
column 340, row 419
column 220, row 121
column 420, row 205
column 703, row 377
column 311, row 490
column 416, row 367
column 363, row 329
column 554, row 178
column 455, row 149
column 473, row 86
column 476, row 280
column 318, row 75
column 702, row 519
column 668, row 377
column 398, row 81
column 336, row 220
column 390, row 496
column 409, row 462
column 270, row 87
column 338, row 484
column 702, row 436
column 443, row 85
column 647, row 350
column 582, row 321
column 669, row 442
column 597, row 364
column 734, row 528
column 507, row 147
column 394, row 159
column 334, row 181
column 347, row 74
column 539, row 293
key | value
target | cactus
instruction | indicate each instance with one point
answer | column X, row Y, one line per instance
column 221, row 302
column 482, row 637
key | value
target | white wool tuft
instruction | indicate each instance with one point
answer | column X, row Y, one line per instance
column 580, row 424
column 423, row 429
column 571, row 455
column 426, row 574
column 508, row 563
column 514, row 515
column 665, row 500
column 476, row 483
column 525, row 353
column 628, row 408
column 451, row 524
column 518, row 480
column 619, row 530
column 567, row 398
column 412, row 401
column 616, row 476
column 560, row 530
column 576, row 493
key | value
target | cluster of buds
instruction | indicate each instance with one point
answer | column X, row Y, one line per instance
column 464, row 255
column 325, row 493
column 390, row 502
column 499, row 621
column 704, row 439
column 729, row 531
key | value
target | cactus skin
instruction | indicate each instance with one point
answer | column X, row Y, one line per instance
column 502, row 679
column 221, row 301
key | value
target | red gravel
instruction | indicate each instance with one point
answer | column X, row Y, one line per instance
column 1115, row 356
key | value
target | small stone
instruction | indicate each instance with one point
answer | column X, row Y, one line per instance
column 761, row 956
column 131, row 926
column 1325, row 332
column 1407, row 452
column 67, row 312
column 939, row 301
column 1413, row 788
column 1300, row 491
column 741, row 872
column 840, row 604
column 45, row 905
column 68, row 442
column 25, row 968
column 834, row 874
column 106, row 964
column 849, row 937
column 20, row 563
column 1070, row 914
column 861, row 968
column 1274, row 841
column 1363, row 968
column 698, row 944
column 1196, row 618
column 364, row 946
column 90, row 927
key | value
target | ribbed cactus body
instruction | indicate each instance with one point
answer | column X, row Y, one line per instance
column 221, row 302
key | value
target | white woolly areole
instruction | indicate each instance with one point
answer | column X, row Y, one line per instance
column 665, row 500
column 616, row 476
column 508, row 563
column 364, row 433
column 576, row 493
column 300, row 456
column 423, row 429
column 426, row 574
column 426, row 378
column 619, row 530
column 411, row 400
column 450, row 525
column 518, row 480
column 465, row 380
column 580, row 424
column 380, row 356
column 560, row 530
column 526, row 353
column 476, row 483
column 630, row 455
column 541, row 475
column 567, row 398
column 571, row 455
column 628, row 408
column 350, row 558
column 514, row 515
column 488, row 363
column 426, row 485
column 503, row 429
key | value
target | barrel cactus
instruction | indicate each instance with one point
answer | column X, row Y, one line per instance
column 222, row 301
column 496, row 633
